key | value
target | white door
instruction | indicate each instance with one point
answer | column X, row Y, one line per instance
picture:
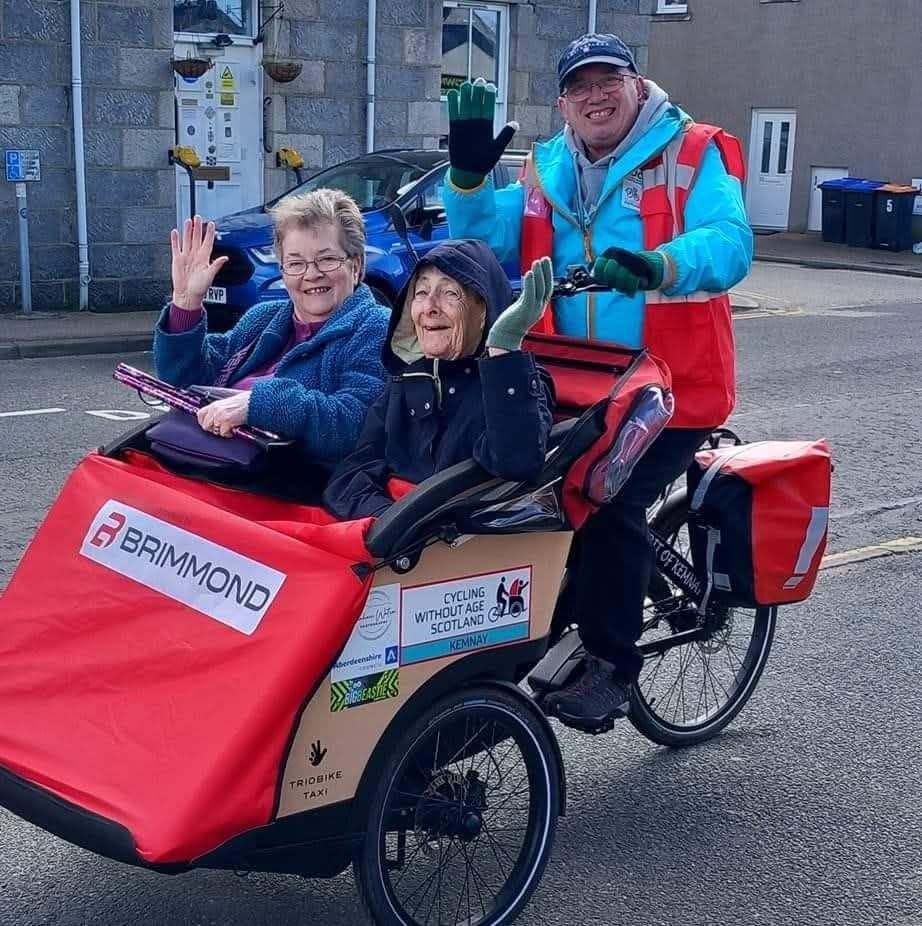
column 220, row 115
column 771, row 155
column 820, row 175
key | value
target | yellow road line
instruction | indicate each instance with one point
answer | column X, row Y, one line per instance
column 862, row 554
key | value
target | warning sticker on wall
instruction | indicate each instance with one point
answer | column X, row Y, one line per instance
column 228, row 84
column 464, row 614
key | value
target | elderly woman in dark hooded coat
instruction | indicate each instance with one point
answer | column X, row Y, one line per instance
column 460, row 386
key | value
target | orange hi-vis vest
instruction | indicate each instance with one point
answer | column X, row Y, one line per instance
column 693, row 334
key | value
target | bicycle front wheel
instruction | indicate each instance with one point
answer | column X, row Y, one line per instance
column 463, row 820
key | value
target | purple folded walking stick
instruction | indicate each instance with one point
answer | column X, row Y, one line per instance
column 183, row 399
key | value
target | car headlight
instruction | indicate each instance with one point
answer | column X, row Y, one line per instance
column 265, row 254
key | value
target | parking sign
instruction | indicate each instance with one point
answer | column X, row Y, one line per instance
column 23, row 165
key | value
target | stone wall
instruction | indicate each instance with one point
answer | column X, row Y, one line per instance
column 129, row 116
column 322, row 113
column 128, row 123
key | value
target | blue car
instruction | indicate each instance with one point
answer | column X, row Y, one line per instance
column 400, row 194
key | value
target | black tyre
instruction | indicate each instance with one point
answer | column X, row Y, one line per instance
column 462, row 822
column 689, row 693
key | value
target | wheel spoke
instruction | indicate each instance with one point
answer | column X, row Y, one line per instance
column 473, row 764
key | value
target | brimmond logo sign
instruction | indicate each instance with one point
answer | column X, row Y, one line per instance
column 217, row 582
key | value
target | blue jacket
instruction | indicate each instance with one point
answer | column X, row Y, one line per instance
column 322, row 388
column 713, row 254
column 433, row 414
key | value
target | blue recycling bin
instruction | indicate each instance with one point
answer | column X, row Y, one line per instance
column 833, row 222
column 860, row 212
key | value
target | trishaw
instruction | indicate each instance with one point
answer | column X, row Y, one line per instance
column 198, row 675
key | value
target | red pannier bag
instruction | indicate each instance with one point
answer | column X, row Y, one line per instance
column 759, row 519
column 158, row 643
column 631, row 393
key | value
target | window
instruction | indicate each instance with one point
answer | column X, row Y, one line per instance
column 475, row 43
column 232, row 17
column 671, row 6
column 783, row 147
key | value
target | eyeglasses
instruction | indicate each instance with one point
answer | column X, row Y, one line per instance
column 581, row 90
column 297, row 268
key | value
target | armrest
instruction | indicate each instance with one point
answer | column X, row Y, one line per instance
column 463, row 483
column 409, row 514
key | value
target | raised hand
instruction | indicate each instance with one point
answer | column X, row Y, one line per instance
column 472, row 149
column 193, row 269
column 510, row 328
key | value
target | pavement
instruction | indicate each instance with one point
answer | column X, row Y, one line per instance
column 68, row 333
column 811, row 251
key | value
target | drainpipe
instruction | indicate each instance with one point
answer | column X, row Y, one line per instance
column 370, row 72
column 79, row 163
column 592, row 11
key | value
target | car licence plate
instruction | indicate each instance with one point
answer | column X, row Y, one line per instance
column 216, row 294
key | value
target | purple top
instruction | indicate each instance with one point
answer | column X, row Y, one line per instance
column 180, row 320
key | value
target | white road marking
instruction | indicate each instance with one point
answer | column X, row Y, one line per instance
column 118, row 414
column 34, row 411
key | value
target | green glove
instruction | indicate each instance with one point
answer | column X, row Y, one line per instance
column 628, row 271
column 472, row 149
column 510, row 328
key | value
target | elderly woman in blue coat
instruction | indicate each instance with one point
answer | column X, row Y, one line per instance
column 307, row 367
column 460, row 385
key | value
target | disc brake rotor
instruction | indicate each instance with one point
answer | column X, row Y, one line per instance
column 446, row 788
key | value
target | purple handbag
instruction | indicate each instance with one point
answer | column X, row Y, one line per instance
column 178, row 439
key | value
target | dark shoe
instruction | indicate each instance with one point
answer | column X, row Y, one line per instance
column 593, row 701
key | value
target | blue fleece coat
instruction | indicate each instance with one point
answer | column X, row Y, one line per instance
column 322, row 388
column 713, row 254
column 433, row 414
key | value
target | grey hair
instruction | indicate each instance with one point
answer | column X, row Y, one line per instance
column 322, row 207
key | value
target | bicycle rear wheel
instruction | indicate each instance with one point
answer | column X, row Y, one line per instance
column 689, row 692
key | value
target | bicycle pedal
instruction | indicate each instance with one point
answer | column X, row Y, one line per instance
column 583, row 726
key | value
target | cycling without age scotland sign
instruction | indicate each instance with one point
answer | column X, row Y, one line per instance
column 464, row 614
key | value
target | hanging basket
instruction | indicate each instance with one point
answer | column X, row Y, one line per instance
column 282, row 71
column 191, row 67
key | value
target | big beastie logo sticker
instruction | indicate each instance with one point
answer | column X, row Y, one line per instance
column 464, row 614
column 215, row 581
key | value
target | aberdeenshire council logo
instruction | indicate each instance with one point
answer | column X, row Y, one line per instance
column 215, row 581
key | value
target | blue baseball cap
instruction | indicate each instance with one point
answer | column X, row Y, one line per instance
column 594, row 48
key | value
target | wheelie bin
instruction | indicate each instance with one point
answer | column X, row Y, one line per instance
column 859, row 212
column 833, row 227
column 893, row 216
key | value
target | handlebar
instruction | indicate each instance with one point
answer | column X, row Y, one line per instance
column 578, row 280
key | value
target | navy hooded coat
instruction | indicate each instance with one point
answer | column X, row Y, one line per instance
column 498, row 410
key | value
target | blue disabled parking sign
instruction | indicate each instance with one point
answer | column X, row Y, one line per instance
column 22, row 165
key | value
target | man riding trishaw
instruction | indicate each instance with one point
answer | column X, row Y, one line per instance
column 652, row 201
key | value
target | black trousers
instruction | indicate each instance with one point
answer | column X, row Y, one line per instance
column 612, row 557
